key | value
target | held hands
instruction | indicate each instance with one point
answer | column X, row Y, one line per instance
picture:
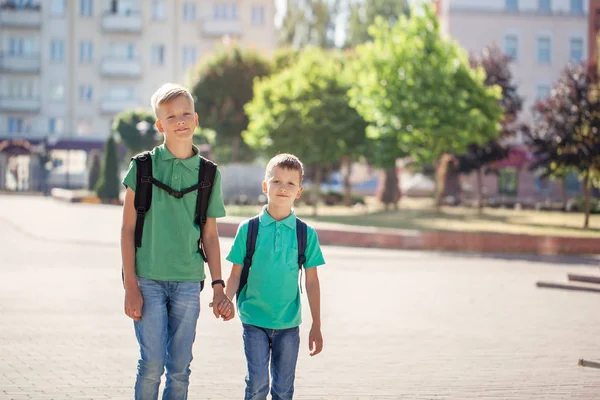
column 224, row 307
column 315, row 341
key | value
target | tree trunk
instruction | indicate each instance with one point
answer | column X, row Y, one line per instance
column 317, row 189
column 565, row 198
column 235, row 149
column 479, row 191
column 390, row 193
column 347, row 185
column 586, row 190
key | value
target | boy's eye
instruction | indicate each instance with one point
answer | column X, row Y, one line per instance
column 170, row 116
column 186, row 114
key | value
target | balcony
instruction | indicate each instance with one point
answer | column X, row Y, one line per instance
column 218, row 28
column 20, row 63
column 130, row 22
column 20, row 104
column 121, row 67
column 20, row 17
column 115, row 106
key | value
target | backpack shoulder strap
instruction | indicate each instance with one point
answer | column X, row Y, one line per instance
column 206, row 178
column 143, row 192
column 301, row 236
column 250, row 246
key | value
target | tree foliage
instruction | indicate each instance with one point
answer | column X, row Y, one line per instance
column 419, row 93
column 108, row 186
column 309, row 23
column 363, row 14
column 125, row 125
column 566, row 132
column 304, row 110
column 221, row 87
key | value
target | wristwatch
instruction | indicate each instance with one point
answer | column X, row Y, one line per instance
column 218, row 282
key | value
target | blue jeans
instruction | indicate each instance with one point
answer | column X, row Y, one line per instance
column 281, row 345
column 166, row 334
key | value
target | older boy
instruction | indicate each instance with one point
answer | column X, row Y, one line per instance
column 163, row 275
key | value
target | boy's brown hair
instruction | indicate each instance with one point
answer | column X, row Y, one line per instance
column 286, row 161
column 168, row 92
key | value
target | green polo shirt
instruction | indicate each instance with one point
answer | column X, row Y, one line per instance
column 169, row 249
column 271, row 298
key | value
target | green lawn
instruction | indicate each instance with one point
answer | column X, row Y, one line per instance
column 420, row 214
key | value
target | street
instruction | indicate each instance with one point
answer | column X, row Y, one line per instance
column 396, row 324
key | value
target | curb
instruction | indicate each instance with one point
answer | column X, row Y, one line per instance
column 400, row 239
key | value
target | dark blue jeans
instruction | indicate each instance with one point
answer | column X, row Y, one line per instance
column 166, row 334
column 281, row 346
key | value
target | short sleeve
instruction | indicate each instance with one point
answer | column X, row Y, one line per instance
column 216, row 207
column 314, row 256
column 130, row 178
column 238, row 249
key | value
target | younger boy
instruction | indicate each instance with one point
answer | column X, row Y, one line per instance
column 269, row 303
column 162, row 277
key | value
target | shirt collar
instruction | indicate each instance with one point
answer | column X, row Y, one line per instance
column 191, row 163
column 265, row 219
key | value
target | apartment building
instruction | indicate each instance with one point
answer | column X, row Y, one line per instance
column 67, row 67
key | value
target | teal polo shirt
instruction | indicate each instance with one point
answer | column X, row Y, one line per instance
column 271, row 298
column 169, row 249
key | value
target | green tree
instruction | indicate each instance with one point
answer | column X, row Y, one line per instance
column 125, row 125
column 363, row 14
column 304, row 110
column 309, row 23
column 108, row 185
column 221, row 88
column 95, row 170
column 419, row 93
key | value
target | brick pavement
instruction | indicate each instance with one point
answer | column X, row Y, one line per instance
column 397, row 324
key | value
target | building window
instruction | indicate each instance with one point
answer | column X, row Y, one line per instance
column 189, row 11
column 86, row 51
column 511, row 46
column 545, row 5
column 57, row 8
column 577, row 6
column 123, row 51
column 57, row 91
column 158, row 54
column 159, row 10
column 576, row 50
column 512, row 5
column 225, row 12
column 189, row 56
column 15, row 125
column 121, row 93
column 508, row 181
column 542, row 92
column 20, row 89
column 57, row 50
column 544, row 50
column 55, row 125
column 21, row 46
column 258, row 15
column 86, row 8
column 84, row 126
column 85, row 93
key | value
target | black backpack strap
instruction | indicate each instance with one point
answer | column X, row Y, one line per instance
column 250, row 245
column 301, row 236
column 206, row 178
column 143, row 193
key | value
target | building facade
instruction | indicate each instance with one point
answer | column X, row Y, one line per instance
column 67, row 67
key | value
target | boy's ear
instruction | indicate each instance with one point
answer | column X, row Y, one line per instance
column 196, row 115
column 299, row 192
column 159, row 126
column 264, row 187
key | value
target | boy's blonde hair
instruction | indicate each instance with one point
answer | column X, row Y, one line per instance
column 286, row 161
column 168, row 92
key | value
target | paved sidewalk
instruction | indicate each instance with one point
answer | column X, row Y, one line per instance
column 397, row 324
